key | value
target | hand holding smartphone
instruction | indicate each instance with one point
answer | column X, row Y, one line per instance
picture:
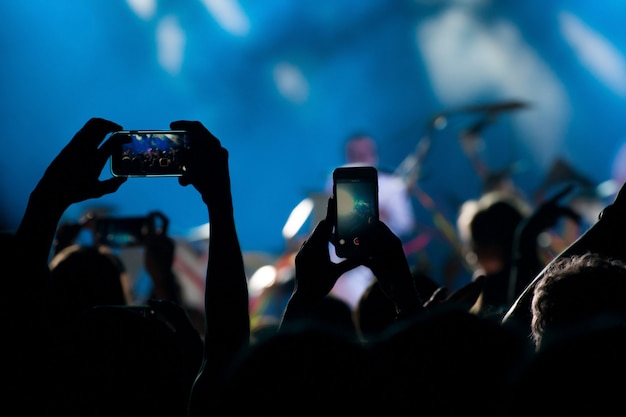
column 149, row 153
column 355, row 195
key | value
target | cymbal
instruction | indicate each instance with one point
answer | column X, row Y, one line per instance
column 489, row 108
column 502, row 106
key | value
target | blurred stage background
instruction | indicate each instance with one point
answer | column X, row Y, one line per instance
column 282, row 83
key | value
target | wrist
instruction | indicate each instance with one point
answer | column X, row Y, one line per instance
column 47, row 203
column 40, row 215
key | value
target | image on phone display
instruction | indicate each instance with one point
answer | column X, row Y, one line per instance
column 356, row 199
column 150, row 153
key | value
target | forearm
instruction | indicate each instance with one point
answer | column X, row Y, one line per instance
column 226, row 292
column 35, row 234
column 298, row 307
column 165, row 286
column 526, row 262
column 227, row 321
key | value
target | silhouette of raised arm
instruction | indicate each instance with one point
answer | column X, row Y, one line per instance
column 316, row 273
column 72, row 177
column 227, row 328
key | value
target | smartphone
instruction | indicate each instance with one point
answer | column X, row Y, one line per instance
column 149, row 153
column 355, row 195
column 121, row 232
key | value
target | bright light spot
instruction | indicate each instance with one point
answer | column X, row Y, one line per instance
column 201, row 232
column 170, row 42
column 600, row 57
column 291, row 83
column 143, row 8
column 229, row 15
column 608, row 188
column 297, row 218
column 262, row 278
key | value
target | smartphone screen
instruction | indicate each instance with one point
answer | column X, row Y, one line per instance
column 355, row 191
column 150, row 153
column 119, row 232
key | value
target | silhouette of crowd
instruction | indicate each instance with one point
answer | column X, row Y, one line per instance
column 527, row 327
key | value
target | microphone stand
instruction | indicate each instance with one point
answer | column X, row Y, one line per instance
column 409, row 172
column 409, row 168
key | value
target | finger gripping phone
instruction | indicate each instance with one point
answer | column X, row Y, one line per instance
column 355, row 195
column 149, row 153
